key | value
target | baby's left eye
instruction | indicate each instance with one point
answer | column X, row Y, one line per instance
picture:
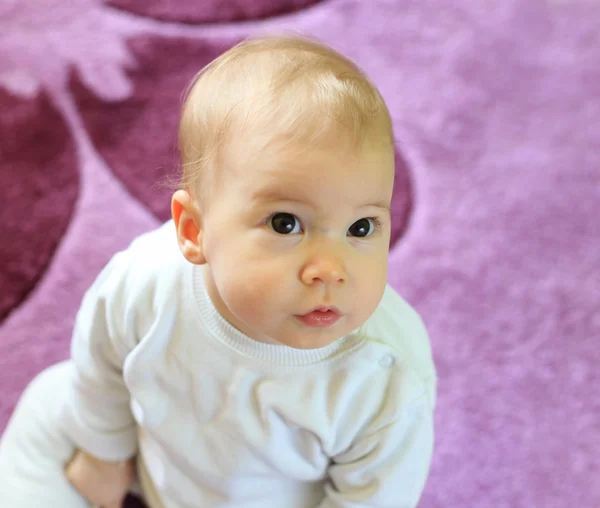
column 362, row 227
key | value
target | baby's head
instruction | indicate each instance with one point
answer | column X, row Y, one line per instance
column 288, row 169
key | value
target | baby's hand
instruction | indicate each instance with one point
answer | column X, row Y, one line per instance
column 104, row 484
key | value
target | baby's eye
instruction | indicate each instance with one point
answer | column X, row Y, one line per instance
column 285, row 224
column 363, row 227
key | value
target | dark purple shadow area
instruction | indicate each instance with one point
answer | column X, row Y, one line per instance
column 211, row 11
column 133, row 502
column 39, row 184
column 138, row 138
column 402, row 200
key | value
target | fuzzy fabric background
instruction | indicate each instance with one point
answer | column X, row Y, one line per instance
column 496, row 107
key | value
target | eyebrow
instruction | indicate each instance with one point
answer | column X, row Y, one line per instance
column 270, row 195
column 380, row 204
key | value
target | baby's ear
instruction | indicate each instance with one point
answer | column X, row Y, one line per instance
column 188, row 224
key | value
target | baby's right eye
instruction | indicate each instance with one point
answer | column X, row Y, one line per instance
column 285, row 224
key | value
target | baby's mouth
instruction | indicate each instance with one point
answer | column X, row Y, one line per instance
column 320, row 317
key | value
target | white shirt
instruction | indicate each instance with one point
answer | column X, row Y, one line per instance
column 223, row 421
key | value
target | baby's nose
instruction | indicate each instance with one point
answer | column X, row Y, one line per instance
column 324, row 271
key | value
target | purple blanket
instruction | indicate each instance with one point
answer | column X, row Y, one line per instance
column 496, row 107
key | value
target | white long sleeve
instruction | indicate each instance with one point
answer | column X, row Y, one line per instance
column 97, row 415
column 386, row 467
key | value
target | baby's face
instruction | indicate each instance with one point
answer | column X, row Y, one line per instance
column 297, row 246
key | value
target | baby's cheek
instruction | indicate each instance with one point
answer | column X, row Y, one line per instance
column 257, row 294
column 373, row 286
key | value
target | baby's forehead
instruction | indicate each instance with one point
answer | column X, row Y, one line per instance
column 278, row 154
column 281, row 163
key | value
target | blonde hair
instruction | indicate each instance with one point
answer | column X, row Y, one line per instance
column 280, row 88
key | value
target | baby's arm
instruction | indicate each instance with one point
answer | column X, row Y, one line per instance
column 387, row 464
column 97, row 416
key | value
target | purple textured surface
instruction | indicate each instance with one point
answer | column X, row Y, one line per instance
column 138, row 138
column 210, row 11
column 496, row 107
column 38, row 182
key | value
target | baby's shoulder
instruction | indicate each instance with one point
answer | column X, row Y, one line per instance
column 396, row 326
column 149, row 267
column 153, row 256
column 396, row 316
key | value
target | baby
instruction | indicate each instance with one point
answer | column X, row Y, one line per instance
column 248, row 353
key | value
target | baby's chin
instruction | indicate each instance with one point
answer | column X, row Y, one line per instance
column 307, row 342
column 297, row 335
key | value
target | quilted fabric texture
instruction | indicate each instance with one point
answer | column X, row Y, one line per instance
column 496, row 108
